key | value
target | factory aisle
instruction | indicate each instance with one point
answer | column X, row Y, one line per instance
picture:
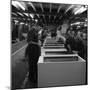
column 19, row 68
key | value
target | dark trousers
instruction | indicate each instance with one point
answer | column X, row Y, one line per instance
column 33, row 72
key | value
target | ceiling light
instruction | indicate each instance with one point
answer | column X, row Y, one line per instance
column 85, row 25
column 77, row 7
column 82, row 9
column 86, row 6
column 70, row 7
column 36, row 20
column 18, row 4
column 20, row 14
column 26, row 24
column 21, row 23
column 31, row 15
column 26, row 14
column 78, row 26
column 14, row 14
column 85, row 19
column 16, row 21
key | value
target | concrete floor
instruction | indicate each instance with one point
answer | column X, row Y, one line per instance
column 19, row 69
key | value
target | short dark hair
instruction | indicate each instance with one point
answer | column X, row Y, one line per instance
column 32, row 35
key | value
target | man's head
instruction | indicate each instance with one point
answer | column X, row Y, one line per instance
column 84, row 36
column 32, row 35
column 79, row 34
column 72, row 33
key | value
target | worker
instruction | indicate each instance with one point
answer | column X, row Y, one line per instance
column 32, row 35
column 79, row 44
column 70, row 41
column 60, row 37
column 84, row 37
column 32, row 54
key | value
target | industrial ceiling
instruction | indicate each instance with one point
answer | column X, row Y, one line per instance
column 46, row 13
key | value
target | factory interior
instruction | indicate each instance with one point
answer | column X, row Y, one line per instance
column 61, row 32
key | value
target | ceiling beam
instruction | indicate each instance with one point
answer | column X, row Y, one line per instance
column 43, row 12
column 20, row 19
column 50, row 7
column 40, row 13
column 35, row 9
column 44, row 18
column 49, row 18
column 50, row 10
column 32, row 6
column 41, row 7
column 70, row 7
column 59, row 8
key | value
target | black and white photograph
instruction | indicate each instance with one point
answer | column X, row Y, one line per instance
column 49, row 44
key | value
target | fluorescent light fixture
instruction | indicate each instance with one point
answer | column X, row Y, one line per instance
column 78, row 26
column 15, row 20
column 21, row 23
column 85, row 19
column 86, row 6
column 82, row 22
column 36, row 20
column 14, row 3
column 14, row 14
column 75, row 23
column 71, row 24
column 77, row 7
column 26, row 14
column 40, row 32
column 26, row 24
column 85, row 25
column 31, row 15
column 69, row 8
column 82, row 9
column 19, row 4
column 20, row 14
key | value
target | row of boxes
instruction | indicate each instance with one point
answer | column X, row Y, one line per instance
column 56, row 67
